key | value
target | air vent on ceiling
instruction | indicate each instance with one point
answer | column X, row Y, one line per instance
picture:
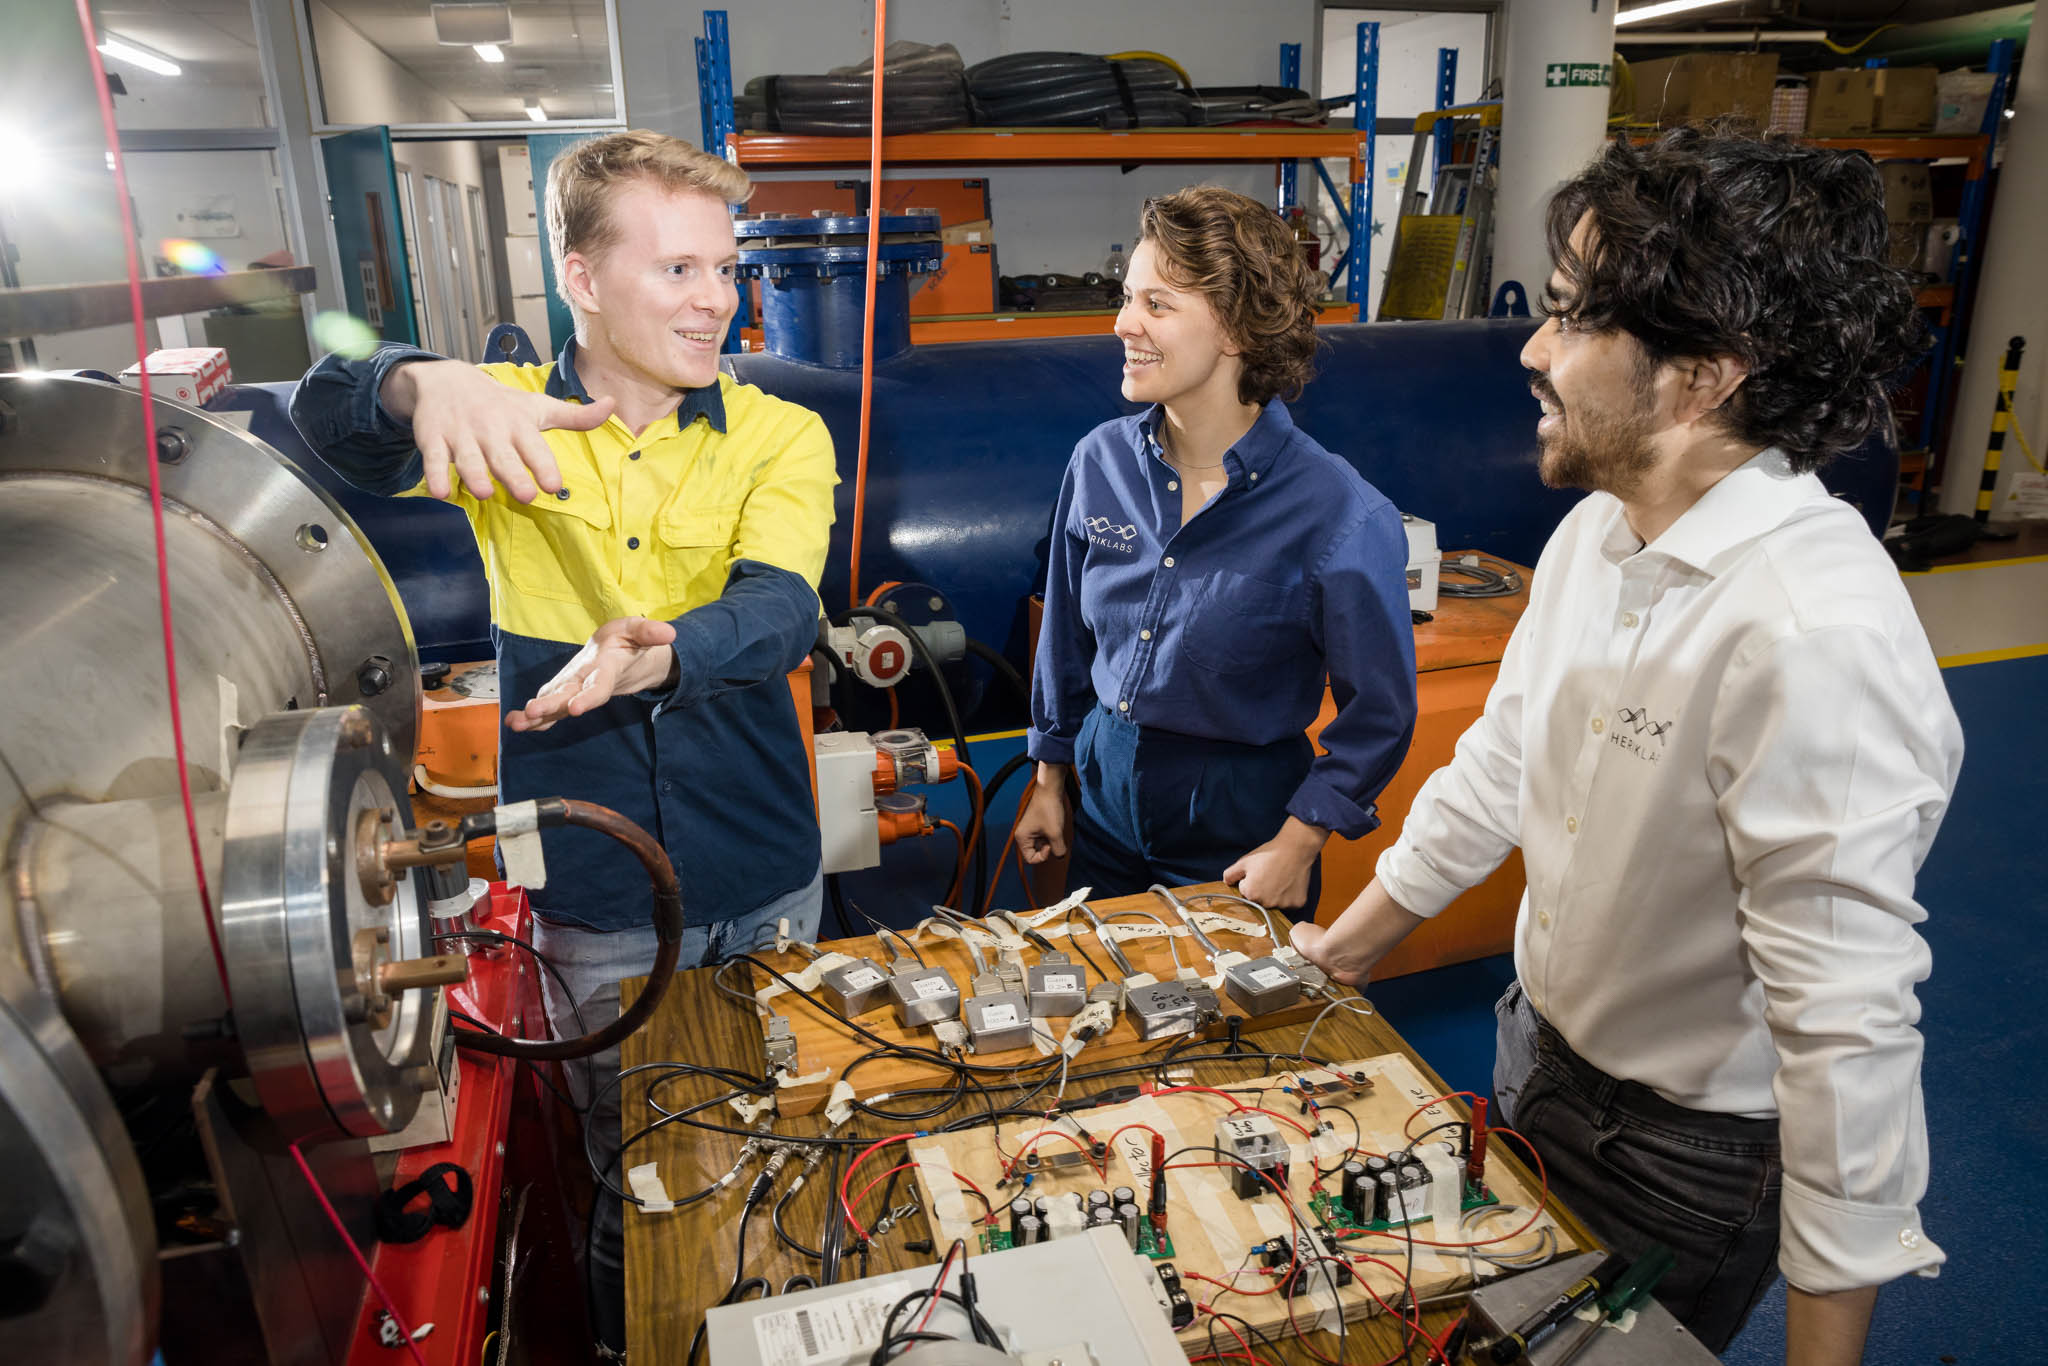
column 466, row 25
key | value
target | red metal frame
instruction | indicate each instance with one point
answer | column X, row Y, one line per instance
column 446, row 1278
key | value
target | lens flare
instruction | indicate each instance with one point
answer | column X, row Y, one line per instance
column 192, row 258
column 345, row 335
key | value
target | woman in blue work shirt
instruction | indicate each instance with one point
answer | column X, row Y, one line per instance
column 1210, row 565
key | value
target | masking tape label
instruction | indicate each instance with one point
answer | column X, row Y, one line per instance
column 645, row 1182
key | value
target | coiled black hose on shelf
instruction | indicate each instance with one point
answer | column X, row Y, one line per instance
column 841, row 106
column 1059, row 89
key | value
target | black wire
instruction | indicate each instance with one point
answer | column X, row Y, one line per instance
column 493, row 937
column 740, row 1281
column 986, row 893
column 531, row 1067
column 788, row 1239
column 931, row 664
column 839, row 905
column 1004, row 670
column 1075, row 940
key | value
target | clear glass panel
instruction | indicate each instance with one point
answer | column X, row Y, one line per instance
column 183, row 63
column 385, row 61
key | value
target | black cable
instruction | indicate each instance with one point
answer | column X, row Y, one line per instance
column 985, row 897
column 1503, row 582
column 538, row 1075
column 839, row 905
column 1004, row 670
column 493, row 937
column 924, row 654
column 788, row 1239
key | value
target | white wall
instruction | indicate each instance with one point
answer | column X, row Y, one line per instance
column 1046, row 217
column 360, row 84
column 1409, row 42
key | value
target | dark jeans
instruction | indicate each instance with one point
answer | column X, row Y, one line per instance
column 1639, row 1169
column 1175, row 809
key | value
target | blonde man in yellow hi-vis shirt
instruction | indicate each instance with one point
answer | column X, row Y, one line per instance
column 653, row 532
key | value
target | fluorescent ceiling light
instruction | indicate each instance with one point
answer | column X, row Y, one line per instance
column 535, row 112
column 1642, row 14
column 490, row 52
column 121, row 50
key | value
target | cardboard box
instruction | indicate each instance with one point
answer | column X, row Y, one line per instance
column 515, row 167
column 1841, row 104
column 1960, row 100
column 1705, row 85
column 523, row 257
column 980, row 230
column 1905, row 99
column 1908, row 192
column 964, row 283
column 188, row 374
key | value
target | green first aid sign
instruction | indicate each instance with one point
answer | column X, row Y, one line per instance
column 1577, row 73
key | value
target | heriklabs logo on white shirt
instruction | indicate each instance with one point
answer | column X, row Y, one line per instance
column 1639, row 733
column 1110, row 535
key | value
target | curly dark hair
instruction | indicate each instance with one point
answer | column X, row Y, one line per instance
column 1240, row 254
column 1713, row 242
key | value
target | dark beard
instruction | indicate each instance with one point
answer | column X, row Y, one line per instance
column 1603, row 453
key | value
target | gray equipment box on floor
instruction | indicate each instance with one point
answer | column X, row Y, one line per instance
column 1654, row 1339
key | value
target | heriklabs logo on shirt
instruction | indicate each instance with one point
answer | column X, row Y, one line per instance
column 1639, row 733
column 1110, row 535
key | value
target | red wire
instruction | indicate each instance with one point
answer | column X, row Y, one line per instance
column 1449, row 1095
column 376, row 1285
column 938, row 1285
column 156, row 487
column 867, row 348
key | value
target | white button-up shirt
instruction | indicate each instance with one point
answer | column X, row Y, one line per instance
column 1724, row 757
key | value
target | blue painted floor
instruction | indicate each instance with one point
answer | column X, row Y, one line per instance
column 1985, row 888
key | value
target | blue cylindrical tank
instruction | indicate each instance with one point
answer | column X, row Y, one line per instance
column 970, row 441
column 813, row 274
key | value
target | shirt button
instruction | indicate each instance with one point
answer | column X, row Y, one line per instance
column 1571, row 825
column 1543, row 919
column 1168, row 562
column 632, row 455
column 1909, row 1238
column 1598, row 725
column 1123, row 706
column 1144, row 635
column 633, row 543
column 667, row 785
column 563, row 493
column 1172, row 484
column 1628, row 619
column 1254, row 476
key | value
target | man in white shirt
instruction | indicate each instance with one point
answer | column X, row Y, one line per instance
column 1722, row 743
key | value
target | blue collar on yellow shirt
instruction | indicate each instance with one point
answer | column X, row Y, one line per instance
column 1254, row 452
column 708, row 402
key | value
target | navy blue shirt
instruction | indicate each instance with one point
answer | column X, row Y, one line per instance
column 1225, row 627
column 714, row 768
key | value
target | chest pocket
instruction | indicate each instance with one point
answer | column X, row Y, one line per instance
column 1235, row 623
column 546, row 547
column 696, row 541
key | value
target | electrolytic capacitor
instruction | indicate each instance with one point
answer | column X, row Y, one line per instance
column 1123, row 1195
column 1357, row 1188
column 1384, row 1201
column 1020, row 1210
column 1098, row 1200
column 1127, row 1215
column 1042, row 1206
column 1030, row 1229
column 1102, row 1216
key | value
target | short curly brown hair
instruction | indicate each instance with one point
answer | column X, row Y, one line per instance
column 1240, row 254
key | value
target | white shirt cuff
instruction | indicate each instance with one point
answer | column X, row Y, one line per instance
column 1826, row 1244
column 1416, row 887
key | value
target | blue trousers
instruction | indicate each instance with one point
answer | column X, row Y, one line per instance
column 593, row 962
column 1161, row 807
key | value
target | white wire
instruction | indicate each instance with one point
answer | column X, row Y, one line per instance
column 1357, row 1005
column 1271, row 933
column 1147, row 915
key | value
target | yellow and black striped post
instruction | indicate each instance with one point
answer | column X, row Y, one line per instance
column 2001, row 420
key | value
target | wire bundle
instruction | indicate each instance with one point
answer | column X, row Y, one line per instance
column 1032, row 89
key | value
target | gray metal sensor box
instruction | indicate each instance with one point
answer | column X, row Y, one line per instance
column 855, row 987
column 1058, row 986
column 924, row 996
column 1261, row 986
column 1163, row 1009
